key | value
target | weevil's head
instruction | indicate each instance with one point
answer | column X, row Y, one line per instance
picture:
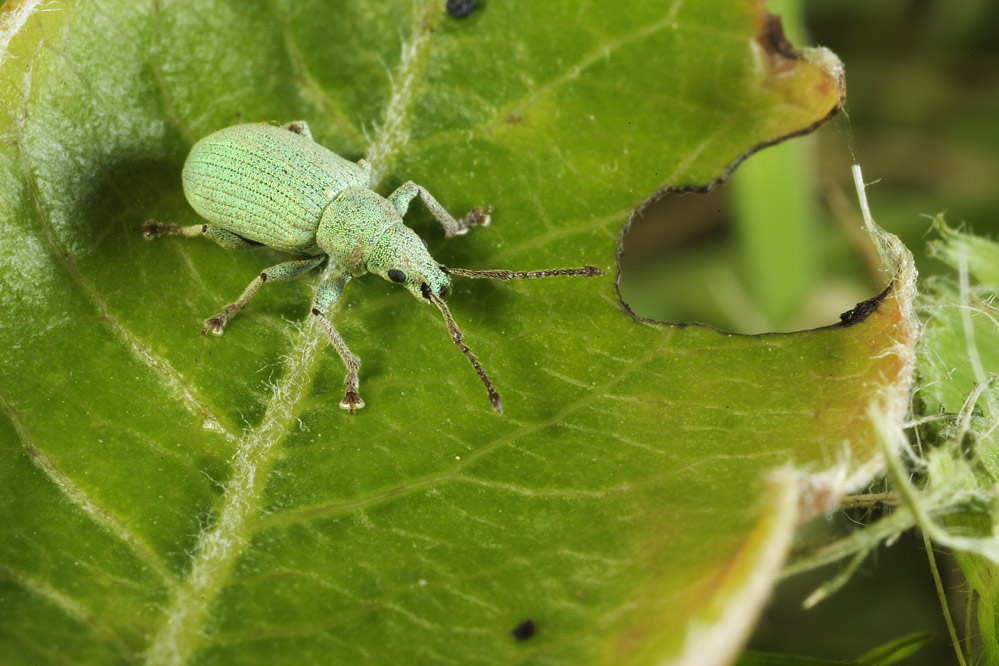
column 401, row 256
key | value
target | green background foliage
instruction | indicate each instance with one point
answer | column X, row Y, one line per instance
column 174, row 498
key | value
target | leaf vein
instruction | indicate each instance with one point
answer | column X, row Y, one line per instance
column 308, row 83
column 68, row 606
column 141, row 352
column 111, row 523
column 220, row 545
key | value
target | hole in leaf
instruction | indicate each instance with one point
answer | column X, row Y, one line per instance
column 748, row 256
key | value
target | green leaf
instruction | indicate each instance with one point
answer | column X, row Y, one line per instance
column 959, row 364
column 755, row 658
column 896, row 651
column 892, row 652
column 960, row 353
column 172, row 498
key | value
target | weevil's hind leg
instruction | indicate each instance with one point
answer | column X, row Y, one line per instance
column 283, row 272
column 327, row 294
column 401, row 197
column 299, row 127
column 230, row 241
column 152, row 229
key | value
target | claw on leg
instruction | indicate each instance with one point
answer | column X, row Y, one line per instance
column 351, row 401
column 217, row 323
column 477, row 217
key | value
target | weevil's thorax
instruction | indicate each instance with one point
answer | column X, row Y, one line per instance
column 351, row 226
column 362, row 232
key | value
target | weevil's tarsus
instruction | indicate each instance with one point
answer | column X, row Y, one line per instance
column 584, row 271
column 152, row 229
column 299, row 127
column 456, row 336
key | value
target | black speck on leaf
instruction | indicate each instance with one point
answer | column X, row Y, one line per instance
column 861, row 311
column 524, row 630
column 461, row 8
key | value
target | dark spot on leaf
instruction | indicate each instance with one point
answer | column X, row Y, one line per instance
column 862, row 311
column 514, row 119
column 773, row 38
column 461, row 8
column 396, row 275
column 524, row 630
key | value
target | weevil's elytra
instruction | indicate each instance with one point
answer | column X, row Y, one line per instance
column 260, row 185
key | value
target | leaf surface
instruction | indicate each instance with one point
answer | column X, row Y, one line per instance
column 172, row 498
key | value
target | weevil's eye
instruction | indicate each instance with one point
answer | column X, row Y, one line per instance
column 425, row 288
column 396, row 275
column 424, row 241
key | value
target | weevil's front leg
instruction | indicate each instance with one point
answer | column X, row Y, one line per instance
column 283, row 272
column 299, row 127
column 327, row 294
column 230, row 241
column 401, row 197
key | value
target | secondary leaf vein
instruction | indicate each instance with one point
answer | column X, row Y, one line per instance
column 111, row 523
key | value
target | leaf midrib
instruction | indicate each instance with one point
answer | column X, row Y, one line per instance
column 220, row 545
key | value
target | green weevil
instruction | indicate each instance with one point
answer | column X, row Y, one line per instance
column 259, row 185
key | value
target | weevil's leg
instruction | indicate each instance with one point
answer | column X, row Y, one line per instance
column 283, row 272
column 327, row 294
column 153, row 229
column 366, row 165
column 299, row 127
column 452, row 227
column 227, row 239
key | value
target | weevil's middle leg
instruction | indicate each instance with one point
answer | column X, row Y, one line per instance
column 401, row 197
column 327, row 294
column 283, row 272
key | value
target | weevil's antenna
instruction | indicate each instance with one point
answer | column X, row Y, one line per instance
column 585, row 271
column 494, row 396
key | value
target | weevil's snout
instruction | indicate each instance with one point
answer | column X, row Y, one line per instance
column 436, row 282
column 421, row 278
column 442, row 288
